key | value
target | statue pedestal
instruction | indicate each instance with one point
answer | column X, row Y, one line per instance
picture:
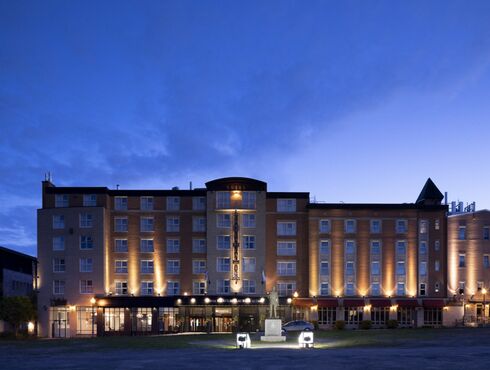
column 273, row 328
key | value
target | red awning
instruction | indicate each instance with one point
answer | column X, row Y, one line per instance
column 353, row 302
column 328, row 302
column 380, row 302
column 433, row 303
column 303, row 302
column 408, row 303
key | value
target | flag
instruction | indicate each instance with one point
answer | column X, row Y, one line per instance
column 207, row 278
column 263, row 277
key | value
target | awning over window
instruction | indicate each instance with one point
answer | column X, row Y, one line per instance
column 303, row 302
column 353, row 302
column 380, row 302
column 407, row 303
column 325, row 302
column 433, row 303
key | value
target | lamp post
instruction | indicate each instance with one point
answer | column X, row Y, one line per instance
column 484, row 291
column 92, row 302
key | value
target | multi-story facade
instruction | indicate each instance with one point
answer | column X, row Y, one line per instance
column 155, row 261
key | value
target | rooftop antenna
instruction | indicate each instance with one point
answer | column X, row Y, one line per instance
column 117, row 186
column 190, row 185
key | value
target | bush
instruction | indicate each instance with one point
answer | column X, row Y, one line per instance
column 340, row 324
column 392, row 324
column 365, row 324
column 17, row 311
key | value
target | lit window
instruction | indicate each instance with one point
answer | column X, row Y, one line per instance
column 147, row 266
column 147, row 288
column 401, row 226
column 375, row 226
column 86, row 264
column 146, row 203
column 286, row 268
column 437, row 224
column 223, row 242
column 248, row 241
column 223, row 220
column 350, row 226
column 223, row 264
column 61, row 200
column 86, row 242
column 121, row 245
column 121, row 266
column 173, row 224
column 173, row 287
column 121, row 224
column 121, row 203
column 147, row 224
column 58, row 222
column 248, row 220
column 86, row 287
column 423, row 227
column 146, row 245
column 173, row 245
column 198, row 245
column 286, row 228
column 248, row 264
column 173, row 266
column 173, row 203
column 198, row 266
column 198, row 203
column 324, row 226
column 59, row 243
column 89, row 200
column 198, row 224
column 286, row 205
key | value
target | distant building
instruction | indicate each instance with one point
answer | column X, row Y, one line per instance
column 17, row 275
column 122, row 262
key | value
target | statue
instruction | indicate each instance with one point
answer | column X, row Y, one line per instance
column 273, row 303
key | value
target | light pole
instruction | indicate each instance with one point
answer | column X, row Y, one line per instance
column 92, row 302
column 484, row 291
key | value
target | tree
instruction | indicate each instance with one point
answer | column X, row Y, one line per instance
column 17, row 311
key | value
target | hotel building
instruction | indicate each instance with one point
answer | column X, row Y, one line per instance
column 123, row 262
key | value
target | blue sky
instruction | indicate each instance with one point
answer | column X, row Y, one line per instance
column 354, row 101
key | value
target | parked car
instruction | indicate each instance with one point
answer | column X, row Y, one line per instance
column 298, row 325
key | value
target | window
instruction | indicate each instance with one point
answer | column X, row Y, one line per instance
column 86, row 264
column 248, row 241
column 86, row 286
column 121, row 287
column 375, row 226
column 486, row 233
column 222, row 199
column 486, row 261
column 121, row 224
column 462, row 260
column 286, row 248
column 173, row 267
column 350, row 247
column 401, row 226
column 350, row 226
column 89, row 200
column 324, row 226
column 198, row 203
column 198, row 266
column 375, row 268
column 462, row 233
column 249, row 286
column 198, row 245
column 286, row 288
column 423, row 268
column 61, row 200
column 121, row 245
column 146, row 203
column 86, row 220
column 147, row 266
column 248, row 220
column 223, row 286
column 324, row 270
column 198, row 224
column 286, row 268
column 376, row 247
column 433, row 316
column 324, row 246
column 147, row 224
column 286, row 228
column 121, row 266
column 121, row 203
column 248, row 264
column 436, row 287
column 437, row 245
column 424, row 227
column 223, row 220
column 59, row 243
column 59, row 265
column 173, row 245
column 437, row 224
column 437, row 265
column 375, row 289
column 173, row 203
column 400, row 289
column 58, row 222
column 223, row 242
column 286, row 205
column 401, row 248
column 349, row 289
column 86, row 242
column 349, row 268
column 423, row 248
column 324, row 288
column 327, row 315
column 146, row 245
column 400, row 268
column 422, row 290
column 147, row 288
column 173, row 287
column 173, row 224
column 248, row 199
column 198, row 287
column 58, row 287
column 223, row 264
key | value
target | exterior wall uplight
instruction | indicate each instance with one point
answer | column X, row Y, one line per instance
column 220, row 300
column 234, row 301
column 295, row 295
column 193, row 300
column 289, row 300
column 262, row 300
column 207, row 300
column 93, row 300
column 247, row 300
column 306, row 339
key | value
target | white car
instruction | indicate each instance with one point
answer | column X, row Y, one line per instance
column 298, row 325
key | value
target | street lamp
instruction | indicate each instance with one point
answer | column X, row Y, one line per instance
column 93, row 302
column 484, row 291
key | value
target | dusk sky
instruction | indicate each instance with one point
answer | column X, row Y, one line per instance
column 354, row 101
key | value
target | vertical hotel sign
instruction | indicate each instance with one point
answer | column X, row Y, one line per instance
column 236, row 246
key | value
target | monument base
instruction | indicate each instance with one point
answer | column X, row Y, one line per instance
column 273, row 329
